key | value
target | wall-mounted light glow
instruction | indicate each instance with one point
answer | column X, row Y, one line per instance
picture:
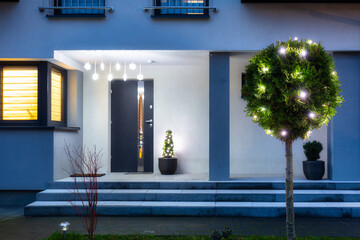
column 87, row 66
column 132, row 66
column 303, row 53
column 283, row 133
column 282, row 50
column 95, row 75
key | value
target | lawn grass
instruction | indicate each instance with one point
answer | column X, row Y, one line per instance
column 75, row 236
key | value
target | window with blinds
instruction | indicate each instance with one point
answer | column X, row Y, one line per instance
column 19, row 93
column 56, row 96
column 183, row 10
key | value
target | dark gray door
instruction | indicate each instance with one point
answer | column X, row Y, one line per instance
column 125, row 121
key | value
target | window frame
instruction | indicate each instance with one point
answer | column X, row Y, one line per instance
column 44, row 94
column 63, row 72
column 157, row 12
column 59, row 12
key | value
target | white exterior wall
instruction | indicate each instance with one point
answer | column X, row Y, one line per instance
column 252, row 152
column 27, row 33
column 181, row 103
column 74, row 119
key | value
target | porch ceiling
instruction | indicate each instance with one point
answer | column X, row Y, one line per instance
column 146, row 57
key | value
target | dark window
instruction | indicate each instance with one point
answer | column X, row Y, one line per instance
column 24, row 96
column 79, row 7
column 182, row 8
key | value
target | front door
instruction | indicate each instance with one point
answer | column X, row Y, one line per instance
column 132, row 126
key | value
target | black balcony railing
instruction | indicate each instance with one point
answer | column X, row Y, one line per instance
column 76, row 8
column 181, row 8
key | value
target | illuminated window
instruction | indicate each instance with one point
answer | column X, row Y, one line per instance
column 56, row 96
column 20, row 93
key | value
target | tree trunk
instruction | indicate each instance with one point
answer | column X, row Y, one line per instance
column 290, row 216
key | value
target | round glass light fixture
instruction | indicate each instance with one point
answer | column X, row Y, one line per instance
column 132, row 66
column 140, row 76
column 117, row 66
column 87, row 66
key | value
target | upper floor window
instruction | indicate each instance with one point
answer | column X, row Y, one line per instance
column 75, row 8
column 79, row 7
column 181, row 8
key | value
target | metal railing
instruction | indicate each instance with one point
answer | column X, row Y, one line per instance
column 75, row 7
column 181, row 7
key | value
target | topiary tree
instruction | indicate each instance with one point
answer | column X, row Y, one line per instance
column 312, row 150
column 168, row 149
column 291, row 88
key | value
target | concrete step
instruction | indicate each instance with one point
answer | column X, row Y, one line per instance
column 161, row 208
column 298, row 184
column 196, row 195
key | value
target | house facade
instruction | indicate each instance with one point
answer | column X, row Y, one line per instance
column 118, row 74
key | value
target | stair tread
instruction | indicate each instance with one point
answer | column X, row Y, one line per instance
column 200, row 191
column 199, row 204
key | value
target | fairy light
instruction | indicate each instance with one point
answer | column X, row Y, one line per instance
column 282, row 50
column 265, row 69
column 296, row 38
column 283, row 133
column 310, row 41
column 263, row 109
column 303, row 53
column 303, row 94
column 312, row 115
column 255, row 117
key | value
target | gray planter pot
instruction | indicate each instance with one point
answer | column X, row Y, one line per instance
column 167, row 166
column 314, row 170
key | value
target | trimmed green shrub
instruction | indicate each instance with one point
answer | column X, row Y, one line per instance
column 312, row 150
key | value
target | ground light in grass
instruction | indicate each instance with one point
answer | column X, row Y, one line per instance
column 75, row 236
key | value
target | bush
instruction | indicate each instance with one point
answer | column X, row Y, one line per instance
column 312, row 150
column 224, row 233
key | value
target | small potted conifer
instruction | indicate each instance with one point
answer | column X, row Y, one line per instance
column 313, row 168
column 167, row 163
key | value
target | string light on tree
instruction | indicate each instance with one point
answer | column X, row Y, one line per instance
column 282, row 51
column 283, row 133
column 310, row 41
column 168, row 149
column 303, row 53
column 312, row 115
column 296, row 38
column 265, row 69
column 263, row 109
column 303, row 94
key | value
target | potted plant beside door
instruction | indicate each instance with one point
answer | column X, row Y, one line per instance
column 168, row 163
column 313, row 168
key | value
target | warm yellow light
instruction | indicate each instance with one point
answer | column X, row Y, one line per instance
column 56, row 94
column 20, row 93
